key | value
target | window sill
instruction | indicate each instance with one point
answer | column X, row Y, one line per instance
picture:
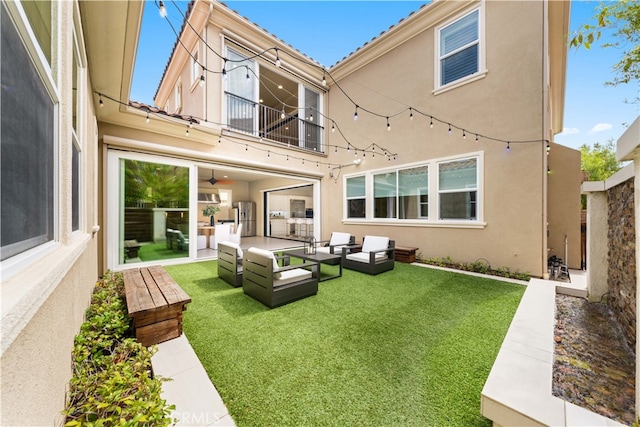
column 417, row 223
column 466, row 80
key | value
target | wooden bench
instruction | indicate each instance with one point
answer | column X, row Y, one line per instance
column 405, row 254
column 155, row 302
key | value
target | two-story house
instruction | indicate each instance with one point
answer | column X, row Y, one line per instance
column 237, row 101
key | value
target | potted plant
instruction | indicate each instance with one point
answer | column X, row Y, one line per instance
column 210, row 211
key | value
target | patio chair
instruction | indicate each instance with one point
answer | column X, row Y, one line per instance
column 222, row 234
column 235, row 237
column 230, row 263
column 335, row 243
column 181, row 240
column 273, row 285
column 375, row 255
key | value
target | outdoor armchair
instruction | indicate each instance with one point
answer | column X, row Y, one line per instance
column 375, row 255
column 273, row 285
column 335, row 244
column 235, row 237
column 182, row 240
column 230, row 263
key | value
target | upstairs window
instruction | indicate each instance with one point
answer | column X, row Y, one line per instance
column 459, row 48
column 196, row 70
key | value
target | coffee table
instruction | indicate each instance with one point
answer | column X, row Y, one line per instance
column 322, row 258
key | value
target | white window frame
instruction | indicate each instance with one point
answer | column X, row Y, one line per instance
column 482, row 71
column 196, row 69
column 78, row 140
column 421, row 192
column 457, row 190
column 433, row 219
column 178, row 97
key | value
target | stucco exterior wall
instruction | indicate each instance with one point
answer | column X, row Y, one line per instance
column 564, row 181
column 507, row 103
column 44, row 301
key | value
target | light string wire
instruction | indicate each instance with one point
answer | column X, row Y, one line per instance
column 357, row 107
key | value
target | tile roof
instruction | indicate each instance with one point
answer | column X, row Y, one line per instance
column 155, row 110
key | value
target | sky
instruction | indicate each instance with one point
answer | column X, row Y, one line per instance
column 328, row 31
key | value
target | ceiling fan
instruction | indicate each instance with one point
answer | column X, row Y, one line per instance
column 214, row 181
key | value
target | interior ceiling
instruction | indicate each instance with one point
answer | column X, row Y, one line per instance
column 274, row 97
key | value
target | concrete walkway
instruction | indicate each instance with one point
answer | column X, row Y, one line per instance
column 196, row 399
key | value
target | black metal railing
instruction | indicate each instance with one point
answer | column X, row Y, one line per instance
column 260, row 120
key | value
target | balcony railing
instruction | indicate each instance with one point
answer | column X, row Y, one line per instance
column 266, row 122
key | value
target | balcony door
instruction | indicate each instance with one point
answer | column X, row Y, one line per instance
column 241, row 90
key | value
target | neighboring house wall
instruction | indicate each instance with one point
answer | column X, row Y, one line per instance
column 46, row 290
column 564, row 179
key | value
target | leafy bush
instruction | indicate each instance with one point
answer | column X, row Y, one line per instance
column 112, row 382
column 480, row 265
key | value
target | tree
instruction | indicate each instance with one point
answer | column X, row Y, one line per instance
column 624, row 18
column 599, row 161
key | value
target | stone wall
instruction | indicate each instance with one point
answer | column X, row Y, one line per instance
column 622, row 257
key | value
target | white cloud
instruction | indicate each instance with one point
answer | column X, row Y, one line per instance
column 570, row 131
column 600, row 127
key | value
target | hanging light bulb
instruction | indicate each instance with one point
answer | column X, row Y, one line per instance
column 147, row 119
column 355, row 115
column 278, row 62
column 449, row 128
column 548, row 148
column 100, row 101
column 324, row 78
column 246, row 147
column 248, row 76
column 431, row 123
column 388, row 125
column 282, row 115
column 335, row 149
column 219, row 141
column 190, row 122
column 410, row 113
column 548, row 170
column 163, row 10
column 311, row 117
column 187, row 131
column 477, row 139
column 224, row 69
column 333, row 127
column 201, row 81
column 508, row 146
column 464, row 134
column 268, row 153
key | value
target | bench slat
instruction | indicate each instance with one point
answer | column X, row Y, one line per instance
column 170, row 289
column 136, row 292
column 154, row 288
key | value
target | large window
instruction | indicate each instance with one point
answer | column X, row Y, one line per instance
column 458, row 189
column 241, row 111
column 154, row 211
column 76, row 146
column 459, row 49
column 356, row 197
column 28, row 126
column 402, row 194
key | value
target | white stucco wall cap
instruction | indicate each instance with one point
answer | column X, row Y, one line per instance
column 624, row 174
column 628, row 145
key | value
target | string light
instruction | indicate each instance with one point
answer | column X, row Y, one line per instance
column 202, row 80
column 187, row 131
column 163, row 10
column 282, row 115
column 449, row 128
column 324, row 78
column 388, row 125
column 508, row 146
column 147, row 119
column 333, row 127
column 219, row 141
column 464, row 134
column 355, row 115
column 410, row 114
column 477, row 139
column 431, row 123
column 548, row 148
column 278, row 62
column 100, row 101
column 248, row 76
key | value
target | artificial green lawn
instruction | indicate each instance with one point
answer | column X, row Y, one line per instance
column 412, row 346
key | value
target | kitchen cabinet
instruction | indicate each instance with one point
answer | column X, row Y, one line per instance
column 278, row 226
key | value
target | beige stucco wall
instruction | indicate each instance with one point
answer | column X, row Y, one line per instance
column 507, row 104
column 564, row 182
column 43, row 303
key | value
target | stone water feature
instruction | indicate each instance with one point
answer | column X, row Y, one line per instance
column 594, row 366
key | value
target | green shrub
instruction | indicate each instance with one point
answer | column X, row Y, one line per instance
column 112, row 382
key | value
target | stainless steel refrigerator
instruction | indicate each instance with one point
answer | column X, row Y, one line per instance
column 245, row 213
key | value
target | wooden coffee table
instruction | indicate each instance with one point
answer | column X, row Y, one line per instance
column 322, row 258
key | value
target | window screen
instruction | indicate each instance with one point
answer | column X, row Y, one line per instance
column 27, row 148
column 459, row 49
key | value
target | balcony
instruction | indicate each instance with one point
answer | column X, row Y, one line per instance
column 272, row 124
